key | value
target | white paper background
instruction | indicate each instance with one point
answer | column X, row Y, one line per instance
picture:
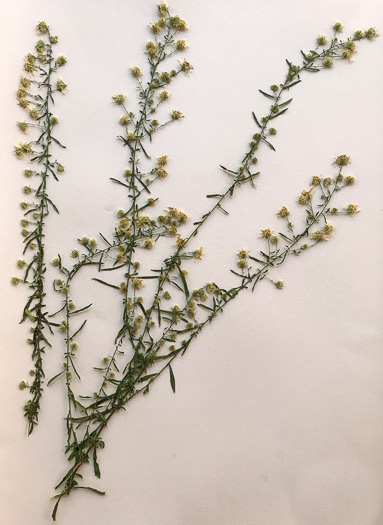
column 278, row 413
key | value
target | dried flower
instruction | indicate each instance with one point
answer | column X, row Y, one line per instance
column 176, row 115
column 137, row 283
column 352, row 209
column 34, row 114
column 371, row 33
column 61, row 86
column 328, row 62
column 151, row 48
column 322, row 40
column 119, row 99
column 316, row 181
column 61, row 60
column 304, row 198
column 280, row 284
column 283, row 212
column 328, row 229
column 242, row 254
column 266, row 234
column 23, row 148
column 342, row 160
column 125, row 120
column 176, row 22
column 198, row 253
column 42, row 28
column 318, row 236
column 155, row 28
column 349, row 180
column 180, row 45
column 23, row 126
column 165, row 77
column 136, row 72
column 148, row 244
column 162, row 9
column 163, row 95
column 185, row 66
column 29, row 63
column 338, row 27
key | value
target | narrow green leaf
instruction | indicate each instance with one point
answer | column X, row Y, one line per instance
column 278, row 114
column 285, row 103
column 81, row 309
column 266, row 94
column 172, row 379
column 256, row 120
column 106, row 284
column 293, row 84
column 55, row 377
column 79, row 330
column 96, row 466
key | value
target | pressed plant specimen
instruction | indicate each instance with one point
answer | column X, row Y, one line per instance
column 35, row 95
column 160, row 315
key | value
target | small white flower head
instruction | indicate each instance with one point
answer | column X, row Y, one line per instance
column 338, row 27
column 352, row 209
column 176, row 115
column 23, row 126
column 283, row 213
column 266, row 234
column 61, row 60
column 119, row 99
column 163, row 9
column 175, row 22
column 163, row 95
column 371, row 33
column 342, row 160
column 322, row 40
column 349, row 180
column 61, row 86
column 136, row 72
column 185, row 66
column 304, row 198
column 328, row 62
column 42, row 28
column 180, row 45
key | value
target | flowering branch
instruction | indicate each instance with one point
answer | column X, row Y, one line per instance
column 36, row 97
column 149, row 328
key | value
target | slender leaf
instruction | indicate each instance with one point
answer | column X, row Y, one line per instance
column 172, row 379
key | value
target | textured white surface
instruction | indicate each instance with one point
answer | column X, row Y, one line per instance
column 278, row 413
